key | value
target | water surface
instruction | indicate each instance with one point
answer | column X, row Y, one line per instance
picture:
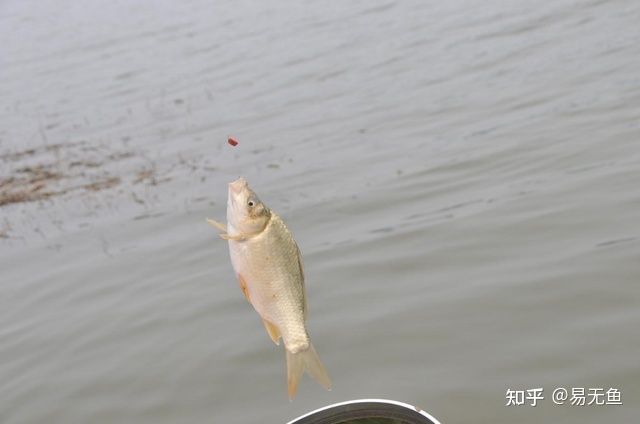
column 462, row 178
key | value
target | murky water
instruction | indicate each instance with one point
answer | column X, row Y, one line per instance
column 463, row 180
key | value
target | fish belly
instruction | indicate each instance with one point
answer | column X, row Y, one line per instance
column 268, row 266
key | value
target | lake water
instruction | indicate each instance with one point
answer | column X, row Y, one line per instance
column 463, row 179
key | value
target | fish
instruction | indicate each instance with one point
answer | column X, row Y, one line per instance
column 268, row 265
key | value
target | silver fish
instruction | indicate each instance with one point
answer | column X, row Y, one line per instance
column 268, row 264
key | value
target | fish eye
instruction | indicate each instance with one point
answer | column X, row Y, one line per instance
column 250, row 203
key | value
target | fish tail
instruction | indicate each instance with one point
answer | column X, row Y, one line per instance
column 303, row 360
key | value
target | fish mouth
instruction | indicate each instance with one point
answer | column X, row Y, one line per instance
column 237, row 186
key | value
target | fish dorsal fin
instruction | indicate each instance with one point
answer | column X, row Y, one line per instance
column 304, row 291
column 273, row 331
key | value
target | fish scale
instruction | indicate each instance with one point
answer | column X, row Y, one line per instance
column 269, row 264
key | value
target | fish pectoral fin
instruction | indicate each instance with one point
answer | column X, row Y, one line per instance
column 273, row 331
column 237, row 237
column 217, row 225
column 244, row 288
column 225, row 235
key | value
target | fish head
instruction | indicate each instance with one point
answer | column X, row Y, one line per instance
column 246, row 213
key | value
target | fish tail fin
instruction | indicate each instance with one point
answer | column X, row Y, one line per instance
column 303, row 360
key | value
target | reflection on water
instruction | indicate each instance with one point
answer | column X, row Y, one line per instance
column 462, row 180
